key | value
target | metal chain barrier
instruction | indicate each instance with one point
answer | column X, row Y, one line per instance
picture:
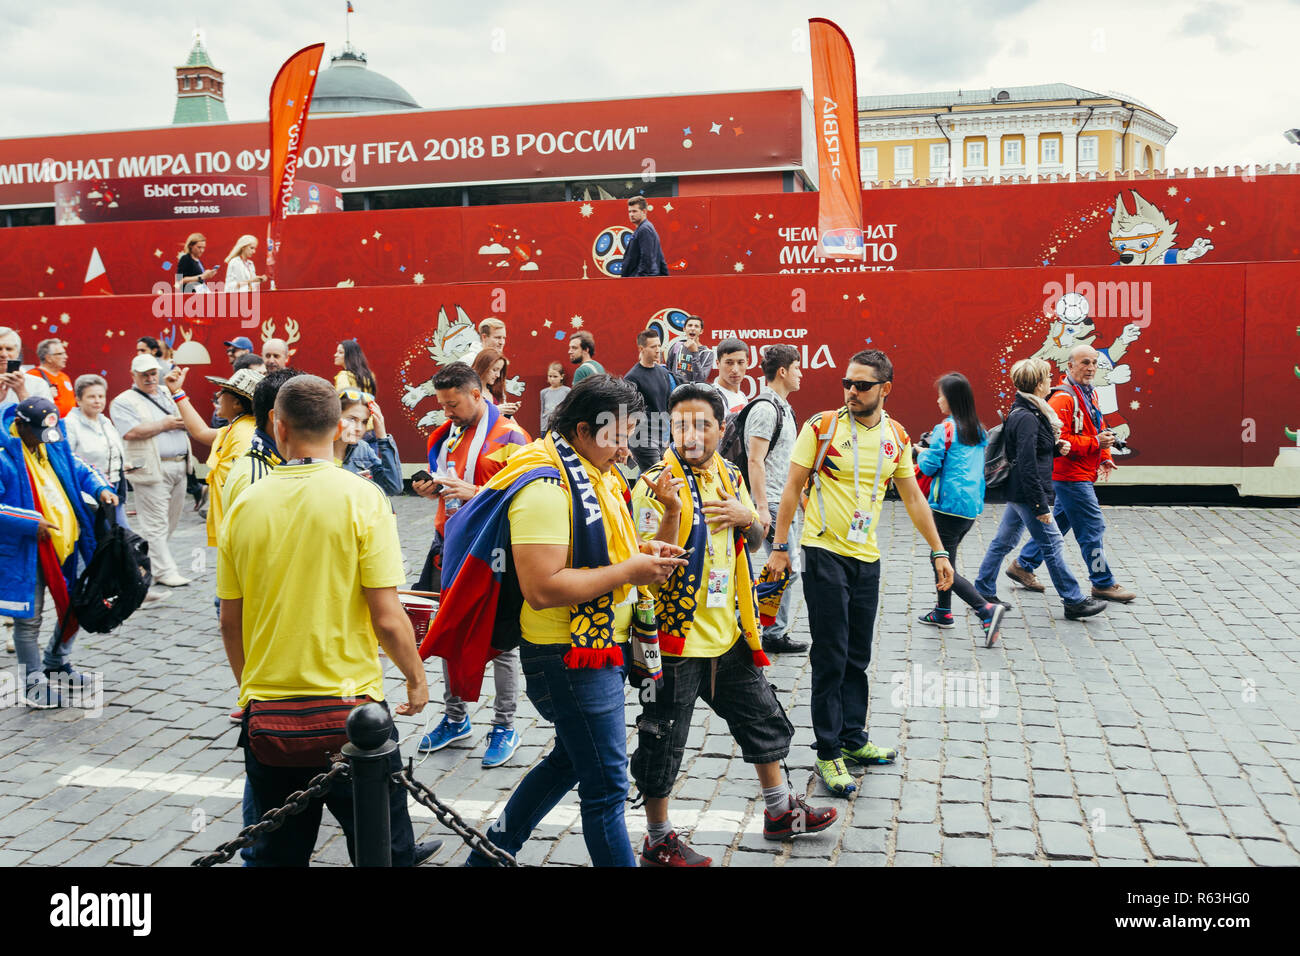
column 451, row 819
column 274, row 819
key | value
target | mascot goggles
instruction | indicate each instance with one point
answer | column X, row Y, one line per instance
column 1122, row 243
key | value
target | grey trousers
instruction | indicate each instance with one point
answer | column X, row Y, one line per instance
column 158, row 511
column 505, row 674
column 27, row 640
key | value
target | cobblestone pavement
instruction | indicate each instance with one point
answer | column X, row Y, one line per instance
column 1165, row 732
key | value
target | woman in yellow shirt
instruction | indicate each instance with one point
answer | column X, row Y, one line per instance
column 354, row 370
column 235, row 404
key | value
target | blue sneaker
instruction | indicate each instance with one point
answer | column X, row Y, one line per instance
column 445, row 733
column 43, row 696
column 501, row 746
column 68, row 677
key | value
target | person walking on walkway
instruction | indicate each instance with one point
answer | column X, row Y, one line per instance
column 1033, row 439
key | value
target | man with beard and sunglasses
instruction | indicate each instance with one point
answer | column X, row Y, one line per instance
column 843, row 461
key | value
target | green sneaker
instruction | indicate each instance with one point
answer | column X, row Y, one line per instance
column 836, row 777
column 869, row 754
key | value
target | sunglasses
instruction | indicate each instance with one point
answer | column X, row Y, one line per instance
column 356, row 395
column 858, row 385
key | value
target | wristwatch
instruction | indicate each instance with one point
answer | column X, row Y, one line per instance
column 781, row 547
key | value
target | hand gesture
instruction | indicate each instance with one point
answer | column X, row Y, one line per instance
column 455, row 488
column 425, row 489
column 943, row 571
column 643, row 569
column 1106, row 438
column 508, row 409
column 665, row 489
column 778, row 562
column 417, row 695
column 108, row 498
column 378, row 416
column 1199, row 248
column 175, row 380
column 1130, row 334
column 662, row 549
column 209, row 273
column 728, row 512
column 45, row 528
column 1104, row 468
column 15, row 381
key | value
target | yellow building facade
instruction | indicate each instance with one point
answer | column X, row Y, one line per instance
column 1011, row 131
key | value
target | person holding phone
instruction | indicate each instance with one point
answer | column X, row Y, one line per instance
column 14, row 384
column 472, row 445
column 377, row 461
column 190, row 274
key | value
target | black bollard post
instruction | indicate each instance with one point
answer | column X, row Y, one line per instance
column 368, row 748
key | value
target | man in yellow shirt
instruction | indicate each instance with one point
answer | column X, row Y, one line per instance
column 696, row 499
column 861, row 452
column 303, row 617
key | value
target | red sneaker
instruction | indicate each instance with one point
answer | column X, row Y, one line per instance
column 800, row 818
column 672, row 850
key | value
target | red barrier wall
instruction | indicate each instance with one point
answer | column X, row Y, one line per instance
column 1215, row 345
column 966, row 227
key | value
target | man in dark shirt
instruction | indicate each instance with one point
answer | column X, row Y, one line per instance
column 654, row 383
column 644, row 257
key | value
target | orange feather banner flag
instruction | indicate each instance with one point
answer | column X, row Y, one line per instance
column 835, row 113
column 290, row 99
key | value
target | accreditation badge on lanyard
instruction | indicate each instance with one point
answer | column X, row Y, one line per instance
column 719, row 579
column 860, row 523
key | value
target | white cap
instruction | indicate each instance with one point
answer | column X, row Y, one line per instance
column 144, row 362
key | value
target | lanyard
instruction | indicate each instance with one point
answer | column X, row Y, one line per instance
column 697, row 514
column 880, row 460
column 103, row 433
column 304, row 461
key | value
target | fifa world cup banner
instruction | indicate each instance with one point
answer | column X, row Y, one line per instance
column 290, row 99
column 835, row 113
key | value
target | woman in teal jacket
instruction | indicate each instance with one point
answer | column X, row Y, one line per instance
column 955, row 460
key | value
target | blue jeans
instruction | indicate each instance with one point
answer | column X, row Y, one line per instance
column 781, row 626
column 27, row 634
column 586, row 705
column 1015, row 519
column 1077, row 507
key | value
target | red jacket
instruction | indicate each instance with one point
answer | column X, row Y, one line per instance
column 1078, row 429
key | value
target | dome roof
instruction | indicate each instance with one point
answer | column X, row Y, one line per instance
column 349, row 86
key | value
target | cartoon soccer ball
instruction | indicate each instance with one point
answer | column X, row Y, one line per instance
column 669, row 324
column 1072, row 308
column 609, row 248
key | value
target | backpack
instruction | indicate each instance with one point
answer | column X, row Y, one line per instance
column 924, row 481
column 997, row 467
column 733, row 446
column 117, row 578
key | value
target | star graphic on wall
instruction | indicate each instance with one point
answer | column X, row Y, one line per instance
column 758, row 215
column 377, row 234
column 1209, row 229
column 585, row 210
column 1135, row 405
column 668, row 207
column 547, row 323
column 686, row 131
column 738, row 130
column 418, row 278
column 576, row 321
column 65, row 318
column 49, row 270
column 1052, row 250
column 861, row 297
column 739, row 267
column 157, row 253
column 716, row 129
column 1172, row 191
column 1156, row 360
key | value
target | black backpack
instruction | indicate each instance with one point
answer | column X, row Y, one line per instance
column 117, row 579
column 997, row 467
column 733, row 446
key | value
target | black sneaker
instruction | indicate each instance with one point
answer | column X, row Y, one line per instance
column 991, row 599
column 425, row 850
column 1085, row 608
column 993, row 623
column 784, row 645
column 672, row 850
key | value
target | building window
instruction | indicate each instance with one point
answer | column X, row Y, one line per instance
column 1088, row 151
column 1051, row 151
column 198, row 82
column 975, row 155
column 869, row 163
column 1119, row 154
column 902, row 161
column 939, row 159
column 1011, row 152
column 185, row 82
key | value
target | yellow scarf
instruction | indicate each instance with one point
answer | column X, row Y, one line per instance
column 675, row 605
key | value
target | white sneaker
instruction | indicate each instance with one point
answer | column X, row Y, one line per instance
column 153, row 597
column 172, row 581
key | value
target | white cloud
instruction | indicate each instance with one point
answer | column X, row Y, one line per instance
column 1222, row 72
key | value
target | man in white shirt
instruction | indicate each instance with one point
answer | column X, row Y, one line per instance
column 17, row 385
column 158, row 448
column 733, row 361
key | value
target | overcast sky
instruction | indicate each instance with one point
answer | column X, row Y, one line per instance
column 1223, row 72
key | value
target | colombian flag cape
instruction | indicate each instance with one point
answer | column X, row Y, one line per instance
column 478, row 613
